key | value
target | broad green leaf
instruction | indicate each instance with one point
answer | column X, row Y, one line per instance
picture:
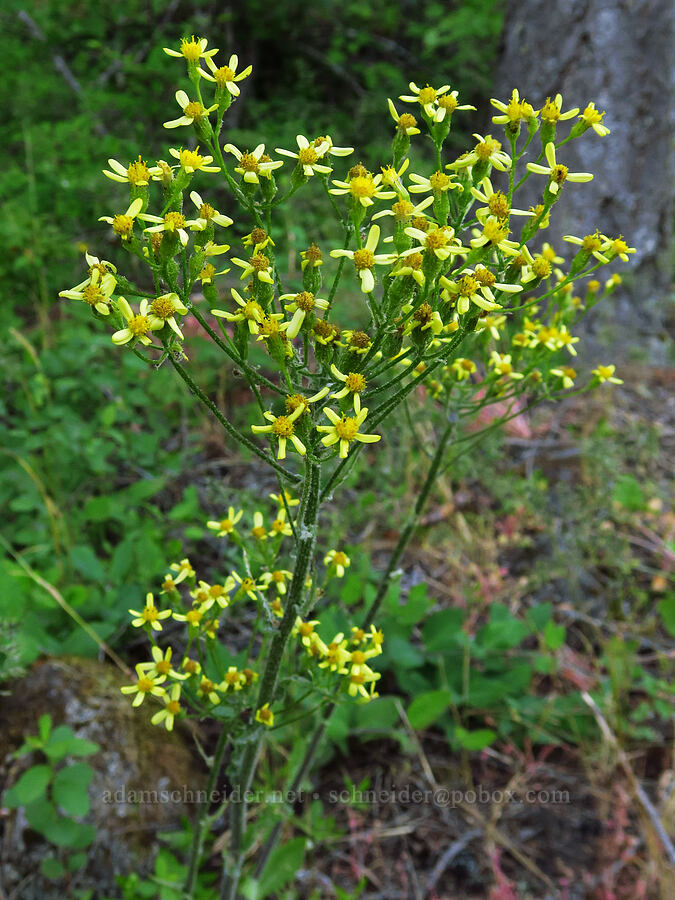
column 554, row 635
column 70, row 789
column 667, row 610
column 52, row 868
column 443, row 629
column 32, row 785
column 474, row 740
column 428, row 708
column 281, row 867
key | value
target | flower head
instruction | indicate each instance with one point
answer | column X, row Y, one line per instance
column 557, row 173
column 365, row 258
column 139, row 325
column 149, row 615
column 226, row 77
column 146, row 684
column 345, row 430
column 283, row 429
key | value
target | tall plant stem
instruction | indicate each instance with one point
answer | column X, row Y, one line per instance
column 307, row 520
column 402, row 543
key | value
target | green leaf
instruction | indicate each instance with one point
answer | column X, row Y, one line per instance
column 554, row 635
column 628, row 493
column 76, row 862
column 281, row 867
column 667, row 610
column 474, row 740
column 63, row 742
column 68, row 833
column 503, row 631
column 428, row 708
column 41, row 815
column 415, row 607
column 69, row 789
column 540, row 614
column 32, row 785
column 52, row 868
column 443, row 629
column 44, row 727
column 87, row 563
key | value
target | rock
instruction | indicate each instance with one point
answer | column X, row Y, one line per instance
column 135, row 757
column 620, row 55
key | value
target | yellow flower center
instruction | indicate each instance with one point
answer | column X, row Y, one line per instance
column 498, row 205
column 173, row 707
column 619, row 246
column 363, row 259
column 163, row 307
column 305, row 301
column 569, row 372
column 138, row 172
column 358, row 679
column 447, row 102
column 427, row 95
column 226, row 525
column 402, row 209
column 550, row 112
column 194, row 110
column 485, row 149
column 207, row 273
column 360, row 340
column 173, row 221
column 191, row 49
column 325, row 330
column 420, row 223
column 216, row 590
column 362, row 186
column 92, row 295
column 139, row 325
column 278, row 576
column 249, row 163
column 258, row 532
column 467, row 365
column 282, row 427
column 313, row 255
column 358, row 635
column 191, row 159
column 258, row 236
column 436, row 239
column 252, row 310
column 194, row 617
column 468, row 285
column 414, row 261
column 541, row 267
column 191, row 666
column 206, row 211
column 265, row 715
column 559, row 174
column 163, row 666
column 223, row 75
column 259, row 262
column 293, row 401
column 347, row 428
column 123, row 225
column 305, row 629
column 439, row 181
column 307, row 156
column 406, row 121
column 484, row 276
column 358, row 657
column 355, row 383
column 145, row 684
column 423, row 313
column 206, row 686
column 495, row 231
column 591, row 242
column 591, row 115
column 232, row 677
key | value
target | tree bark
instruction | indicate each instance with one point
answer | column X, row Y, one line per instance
column 618, row 53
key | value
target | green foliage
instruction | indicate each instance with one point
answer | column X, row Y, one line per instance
column 55, row 794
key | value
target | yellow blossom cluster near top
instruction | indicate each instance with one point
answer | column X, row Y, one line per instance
column 460, row 293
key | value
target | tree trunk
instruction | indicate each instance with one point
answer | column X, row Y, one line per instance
column 618, row 53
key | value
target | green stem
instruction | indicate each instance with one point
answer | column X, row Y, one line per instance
column 229, row 428
column 198, row 834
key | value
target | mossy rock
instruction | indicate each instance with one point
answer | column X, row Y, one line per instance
column 141, row 773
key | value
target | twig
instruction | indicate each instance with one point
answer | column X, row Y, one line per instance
column 453, row 850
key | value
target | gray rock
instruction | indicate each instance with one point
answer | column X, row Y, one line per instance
column 620, row 55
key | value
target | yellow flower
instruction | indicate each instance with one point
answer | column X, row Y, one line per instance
column 226, row 526
column 337, row 561
column 137, row 172
column 514, row 111
column 487, row 150
column 233, row 679
column 96, row 291
column 592, row 118
column 207, row 214
column 358, row 680
column 618, row 247
column 207, row 689
column 344, row 430
column 305, row 630
column 463, row 368
column 495, row 232
column 497, row 202
column 250, row 312
column 567, row 374
column 258, row 265
column 606, row 373
column 491, row 324
column 192, row 49
column 290, row 501
column 354, row 383
column 161, row 664
column 280, row 527
column 278, row 578
column 557, row 173
column 192, row 110
column 364, row 188
column 247, row 586
column 164, row 309
column 172, row 708
column 259, row 531
column 502, row 365
column 426, row 97
column 251, row 165
column 149, row 615
column 190, row 666
column 193, row 161
column 595, row 244
column 475, row 287
column 447, row 104
column 303, row 303
column 438, row 183
column 265, row 716
column 123, row 223
column 283, row 429
column 311, row 257
column 335, row 655
column 551, row 110
column 170, row 583
column 320, row 142
column 308, row 156
column 405, row 123
column 440, row 242
column 226, row 76
column 365, row 258
column 183, row 566
column 146, row 684
column 171, row 223
column 138, row 324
